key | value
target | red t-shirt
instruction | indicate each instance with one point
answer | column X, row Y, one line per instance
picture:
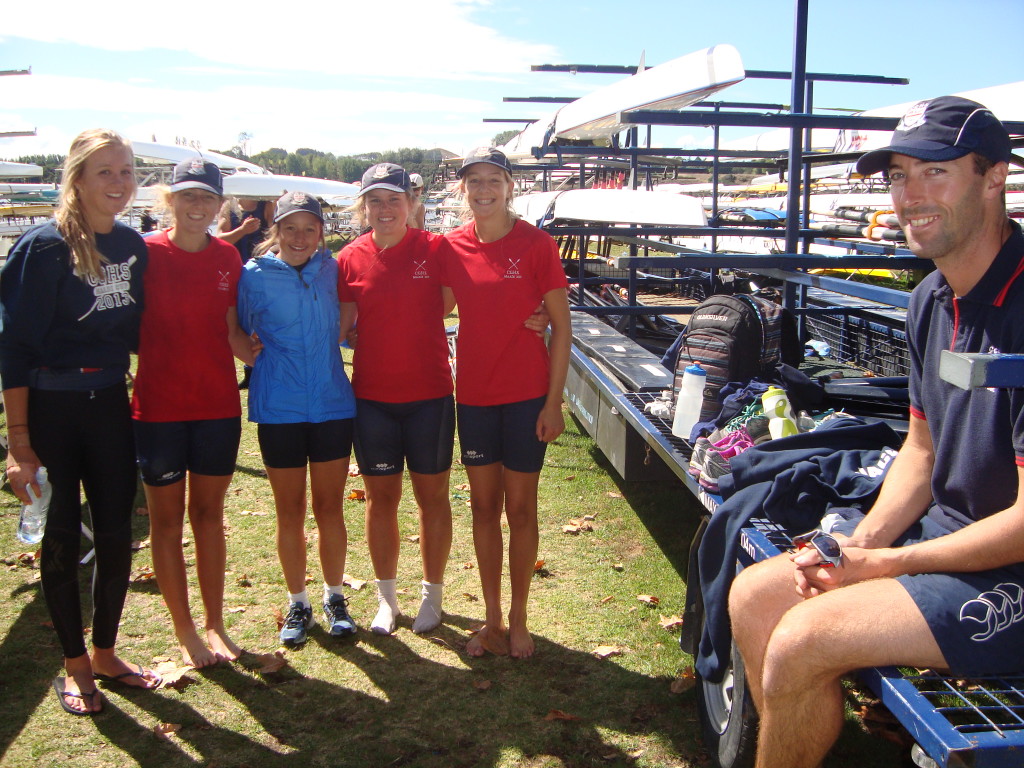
column 186, row 367
column 402, row 352
column 497, row 286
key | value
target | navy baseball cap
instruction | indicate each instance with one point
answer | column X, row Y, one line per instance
column 197, row 174
column 942, row 129
column 385, row 176
column 491, row 155
column 297, row 202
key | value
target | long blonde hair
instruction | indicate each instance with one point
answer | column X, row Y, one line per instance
column 72, row 223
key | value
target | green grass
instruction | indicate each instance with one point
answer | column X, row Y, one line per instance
column 404, row 700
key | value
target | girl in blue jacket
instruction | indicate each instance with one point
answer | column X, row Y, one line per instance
column 302, row 401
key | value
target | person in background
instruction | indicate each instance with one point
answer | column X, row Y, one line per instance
column 390, row 282
column 185, row 403
column 418, row 214
column 932, row 575
column 302, row 402
column 509, row 385
column 70, row 298
column 244, row 223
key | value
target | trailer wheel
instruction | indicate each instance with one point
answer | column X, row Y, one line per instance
column 728, row 718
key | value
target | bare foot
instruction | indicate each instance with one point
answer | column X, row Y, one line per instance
column 222, row 645
column 488, row 640
column 195, row 653
column 520, row 642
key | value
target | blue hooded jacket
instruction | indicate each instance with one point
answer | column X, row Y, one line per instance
column 299, row 376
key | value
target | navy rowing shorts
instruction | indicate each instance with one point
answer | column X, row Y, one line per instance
column 290, row 446
column 167, row 450
column 420, row 434
column 977, row 618
column 505, row 433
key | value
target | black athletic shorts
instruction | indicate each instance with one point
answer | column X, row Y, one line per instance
column 505, row 433
column 289, row 446
column 420, row 433
column 167, row 450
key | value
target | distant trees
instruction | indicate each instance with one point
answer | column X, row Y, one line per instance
column 504, row 137
column 301, row 162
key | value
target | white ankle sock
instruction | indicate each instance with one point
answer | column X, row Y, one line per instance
column 300, row 597
column 329, row 591
column 430, row 608
column 387, row 612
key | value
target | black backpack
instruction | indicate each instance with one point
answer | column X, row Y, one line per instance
column 735, row 338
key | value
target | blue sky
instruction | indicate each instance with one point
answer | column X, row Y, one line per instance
column 353, row 77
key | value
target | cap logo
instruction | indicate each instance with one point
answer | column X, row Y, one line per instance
column 197, row 166
column 914, row 117
column 299, row 198
column 381, row 172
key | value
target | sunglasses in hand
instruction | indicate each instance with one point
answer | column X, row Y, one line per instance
column 826, row 545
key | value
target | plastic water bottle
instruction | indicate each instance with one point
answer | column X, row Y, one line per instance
column 33, row 516
column 780, row 416
column 689, row 401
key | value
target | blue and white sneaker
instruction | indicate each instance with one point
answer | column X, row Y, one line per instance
column 297, row 624
column 339, row 623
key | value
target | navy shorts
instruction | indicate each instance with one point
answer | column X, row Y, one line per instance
column 976, row 618
column 166, row 450
column 505, row 433
column 290, row 446
column 420, row 433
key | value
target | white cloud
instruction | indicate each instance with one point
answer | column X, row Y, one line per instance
column 402, row 38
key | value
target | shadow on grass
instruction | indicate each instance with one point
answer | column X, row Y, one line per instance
column 669, row 512
column 452, row 713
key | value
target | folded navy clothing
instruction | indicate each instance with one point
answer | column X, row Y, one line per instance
column 793, row 481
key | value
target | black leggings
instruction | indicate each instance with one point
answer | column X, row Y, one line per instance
column 84, row 439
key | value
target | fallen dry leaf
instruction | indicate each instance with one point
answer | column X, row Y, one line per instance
column 571, row 529
column 166, row 730
column 686, row 680
column 27, row 558
column 137, row 545
column 142, row 511
column 671, row 622
column 571, row 477
column 357, row 494
column 557, row 714
column 271, row 662
column 243, row 580
column 174, row 676
column 237, row 609
column 145, row 573
column 618, row 567
column 648, row 599
column 470, row 596
column 614, row 495
column 539, row 565
column 607, row 599
column 352, row 582
column 414, row 539
column 590, row 518
column 606, row 651
column 468, row 566
column 276, row 613
column 482, row 685
column 462, row 487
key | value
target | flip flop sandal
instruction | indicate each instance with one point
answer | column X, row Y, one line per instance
column 61, row 691
column 120, row 679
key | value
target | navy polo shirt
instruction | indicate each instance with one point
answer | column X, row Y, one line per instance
column 977, row 434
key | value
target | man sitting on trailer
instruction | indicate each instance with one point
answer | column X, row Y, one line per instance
column 933, row 575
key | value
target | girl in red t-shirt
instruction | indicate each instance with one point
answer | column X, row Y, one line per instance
column 185, row 403
column 508, row 385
